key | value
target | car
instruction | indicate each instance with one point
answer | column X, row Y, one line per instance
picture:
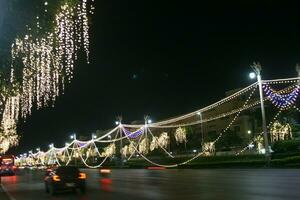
column 8, row 170
column 7, row 165
column 64, row 178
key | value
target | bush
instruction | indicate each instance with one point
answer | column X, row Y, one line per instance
column 286, row 146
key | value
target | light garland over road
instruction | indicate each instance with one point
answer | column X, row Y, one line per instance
column 141, row 146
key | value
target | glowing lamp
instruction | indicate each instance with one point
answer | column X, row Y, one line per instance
column 252, row 75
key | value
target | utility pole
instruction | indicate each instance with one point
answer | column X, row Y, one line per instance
column 202, row 133
column 76, row 152
column 146, row 117
column 120, row 134
column 257, row 69
column 298, row 70
column 0, row 157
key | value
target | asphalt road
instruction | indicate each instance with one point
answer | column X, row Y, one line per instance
column 254, row 184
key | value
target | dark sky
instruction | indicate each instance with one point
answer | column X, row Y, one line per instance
column 166, row 58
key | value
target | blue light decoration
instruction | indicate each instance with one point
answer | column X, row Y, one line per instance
column 282, row 101
column 82, row 144
column 135, row 134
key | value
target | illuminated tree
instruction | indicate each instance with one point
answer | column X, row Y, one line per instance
column 8, row 115
column 42, row 62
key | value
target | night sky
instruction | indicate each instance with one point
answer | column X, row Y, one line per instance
column 165, row 58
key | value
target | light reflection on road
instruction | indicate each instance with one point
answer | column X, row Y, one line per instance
column 256, row 184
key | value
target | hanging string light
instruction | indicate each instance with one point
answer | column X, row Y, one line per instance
column 135, row 134
column 282, row 101
column 46, row 62
column 8, row 128
column 49, row 60
column 142, row 147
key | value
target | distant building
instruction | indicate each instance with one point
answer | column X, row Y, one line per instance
column 246, row 125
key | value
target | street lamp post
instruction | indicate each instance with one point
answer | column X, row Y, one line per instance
column 257, row 68
column 120, row 134
column 249, row 134
column 0, row 174
column 73, row 137
column 298, row 70
column 202, row 133
column 147, row 121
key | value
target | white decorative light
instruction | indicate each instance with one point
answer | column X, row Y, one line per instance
column 144, row 146
column 208, row 148
column 180, row 135
column 109, row 151
column 154, row 144
column 81, row 150
column 124, row 151
column 280, row 132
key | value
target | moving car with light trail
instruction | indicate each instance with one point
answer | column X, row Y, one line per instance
column 64, row 178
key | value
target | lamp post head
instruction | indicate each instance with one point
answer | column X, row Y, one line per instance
column 298, row 69
column 73, row 136
column 252, row 75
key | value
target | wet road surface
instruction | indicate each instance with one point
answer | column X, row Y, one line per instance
column 252, row 184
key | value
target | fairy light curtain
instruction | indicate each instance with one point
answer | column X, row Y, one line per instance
column 42, row 62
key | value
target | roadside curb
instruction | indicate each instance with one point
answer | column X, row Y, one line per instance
column 4, row 192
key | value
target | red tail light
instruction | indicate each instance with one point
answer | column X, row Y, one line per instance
column 56, row 178
column 82, row 176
